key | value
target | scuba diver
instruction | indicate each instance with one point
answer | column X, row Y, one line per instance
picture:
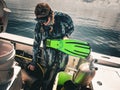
column 50, row 25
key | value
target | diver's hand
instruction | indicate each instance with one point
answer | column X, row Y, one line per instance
column 46, row 23
column 31, row 67
column 65, row 37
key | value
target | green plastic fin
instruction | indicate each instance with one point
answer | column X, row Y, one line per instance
column 63, row 77
column 72, row 47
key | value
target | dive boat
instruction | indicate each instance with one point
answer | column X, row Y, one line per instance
column 105, row 77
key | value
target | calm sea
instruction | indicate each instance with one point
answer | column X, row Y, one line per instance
column 21, row 22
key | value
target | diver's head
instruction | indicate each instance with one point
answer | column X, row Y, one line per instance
column 43, row 12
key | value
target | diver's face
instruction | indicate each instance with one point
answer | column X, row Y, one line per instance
column 43, row 20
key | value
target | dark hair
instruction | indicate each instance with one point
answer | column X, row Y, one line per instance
column 43, row 10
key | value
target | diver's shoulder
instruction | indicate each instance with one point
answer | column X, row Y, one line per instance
column 60, row 14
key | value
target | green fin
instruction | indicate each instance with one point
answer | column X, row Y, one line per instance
column 63, row 77
column 72, row 47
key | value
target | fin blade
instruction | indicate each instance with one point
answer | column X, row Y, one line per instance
column 72, row 47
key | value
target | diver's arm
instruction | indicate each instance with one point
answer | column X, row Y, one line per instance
column 36, row 44
column 68, row 24
column 69, row 27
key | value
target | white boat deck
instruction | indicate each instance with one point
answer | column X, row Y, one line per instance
column 106, row 78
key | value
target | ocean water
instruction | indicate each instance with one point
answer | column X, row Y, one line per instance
column 21, row 22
